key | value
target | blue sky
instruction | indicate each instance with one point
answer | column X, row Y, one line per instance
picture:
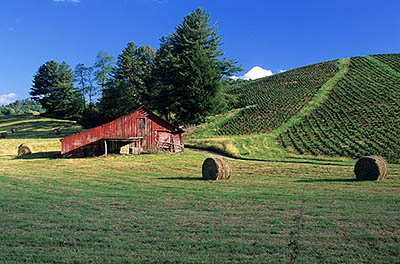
column 275, row 35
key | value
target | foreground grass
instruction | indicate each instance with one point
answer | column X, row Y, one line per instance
column 155, row 208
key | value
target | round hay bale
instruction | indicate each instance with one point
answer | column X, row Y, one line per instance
column 3, row 135
column 371, row 168
column 14, row 130
column 24, row 149
column 227, row 169
column 216, row 169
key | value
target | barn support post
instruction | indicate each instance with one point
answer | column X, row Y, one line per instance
column 105, row 148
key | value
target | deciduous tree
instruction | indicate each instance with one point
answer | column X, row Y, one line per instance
column 84, row 78
column 103, row 68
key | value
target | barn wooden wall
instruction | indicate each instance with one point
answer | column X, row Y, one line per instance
column 90, row 142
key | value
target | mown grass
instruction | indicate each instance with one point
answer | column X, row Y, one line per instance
column 156, row 208
column 38, row 131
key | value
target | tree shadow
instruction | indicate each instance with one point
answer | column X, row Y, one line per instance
column 27, row 126
column 41, row 155
column 181, row 178
column 329, row 180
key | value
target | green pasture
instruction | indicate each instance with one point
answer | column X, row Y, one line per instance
column 156, row 208
column 36, row 130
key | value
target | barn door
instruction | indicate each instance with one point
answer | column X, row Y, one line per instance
column 163, row 139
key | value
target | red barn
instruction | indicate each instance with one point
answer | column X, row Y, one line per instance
column 135, row 133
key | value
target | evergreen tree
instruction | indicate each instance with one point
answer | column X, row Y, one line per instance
column 44, row 82
column 162, row 73
column 128, row 88
column 53, row 88
column 189, row 69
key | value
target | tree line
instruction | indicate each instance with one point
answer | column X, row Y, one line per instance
column 181, row 81
column 21, row 107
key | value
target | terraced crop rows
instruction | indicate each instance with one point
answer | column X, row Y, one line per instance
column 360, row 117
column 271, row 101
column 392, row 60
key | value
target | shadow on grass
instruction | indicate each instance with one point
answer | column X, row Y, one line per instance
column 181, row 178
column 29, row 126
column 329, row 180
column 41, row 155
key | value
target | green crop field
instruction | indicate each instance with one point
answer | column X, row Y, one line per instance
column 333, row 111
column 360, row 116
column 392, row 60
column 269, row 102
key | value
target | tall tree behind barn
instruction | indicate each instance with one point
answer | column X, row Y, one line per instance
column 135, row 133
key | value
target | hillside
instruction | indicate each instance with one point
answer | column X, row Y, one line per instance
column 269, row 102
column 360, row 116
column 343, row 108
column 35, row 130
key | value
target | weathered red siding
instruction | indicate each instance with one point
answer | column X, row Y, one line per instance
column 91, row 142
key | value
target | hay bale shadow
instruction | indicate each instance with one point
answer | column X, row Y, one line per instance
column 329, row 180
column 41, row 155
column 181, row 178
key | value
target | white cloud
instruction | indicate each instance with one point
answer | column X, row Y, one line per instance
column 7, row 98
column 255, row 73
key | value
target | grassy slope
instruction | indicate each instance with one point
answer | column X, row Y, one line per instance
column 268, row 146
column 264, row 146
column 35, row 130
column 155, row 208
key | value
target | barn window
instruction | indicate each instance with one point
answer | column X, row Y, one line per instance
column 141, row 123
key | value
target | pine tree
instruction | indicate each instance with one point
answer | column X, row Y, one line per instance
column 189, row 69
column 43, row 83
column 162, row 79
column 53, row 88
column 128, row 88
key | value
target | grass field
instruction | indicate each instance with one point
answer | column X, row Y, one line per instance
column 35, row 130
column 156, row 208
